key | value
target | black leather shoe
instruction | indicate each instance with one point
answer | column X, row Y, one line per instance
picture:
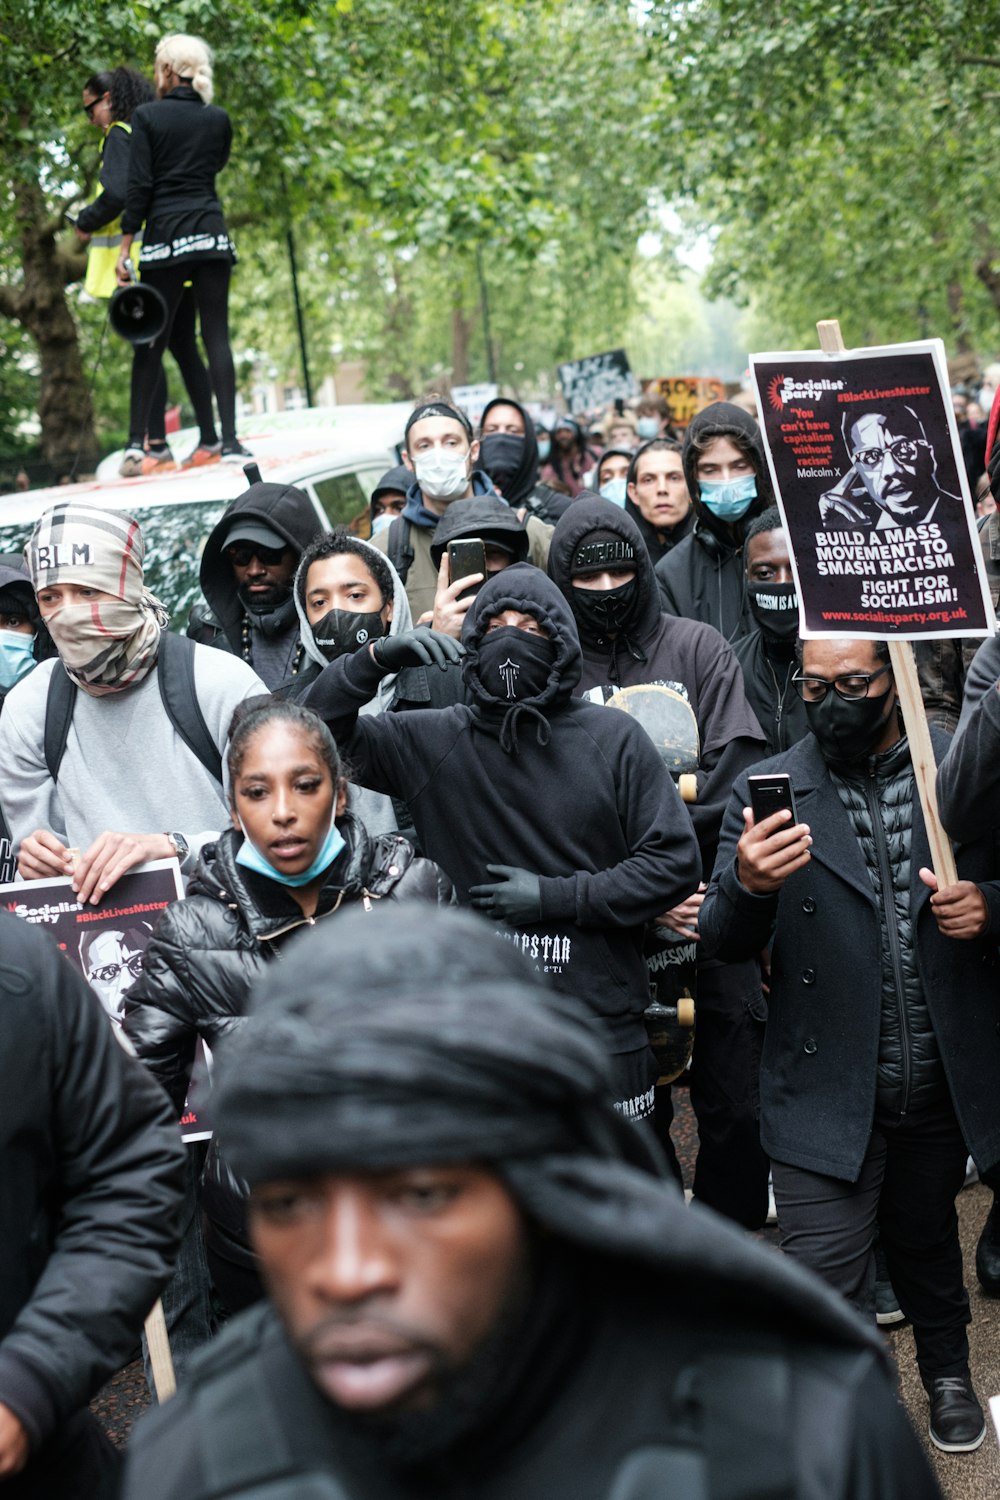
column 988, row 1253
column 957, row 1423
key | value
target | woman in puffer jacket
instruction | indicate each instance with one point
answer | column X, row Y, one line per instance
column 294, row 856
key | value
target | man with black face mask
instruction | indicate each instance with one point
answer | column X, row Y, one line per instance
column 768, row 653
column 508, row 453
column 604, row 573
column 881, row 1053
column 246, row 579
column 555, row 817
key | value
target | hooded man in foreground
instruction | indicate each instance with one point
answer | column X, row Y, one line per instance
column 551, row 814
column 481, row 1284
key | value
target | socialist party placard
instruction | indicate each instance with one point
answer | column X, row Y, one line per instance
column 107, row 943
column 868, row 473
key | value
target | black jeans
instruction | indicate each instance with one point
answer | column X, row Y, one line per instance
column 731, row 1171
column 183, row 345
column 210, row 283
column 912, row 1173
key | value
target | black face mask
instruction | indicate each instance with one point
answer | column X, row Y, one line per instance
column 601, row 612
column 513, row 665
column 339, row 632
column 501, row 454
column 848, row 730
column 775, row 607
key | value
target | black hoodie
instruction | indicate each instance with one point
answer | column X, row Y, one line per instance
column 289, row 512
column 557, row 786
column 655, row 648
column 520, row 486
column 702, row 578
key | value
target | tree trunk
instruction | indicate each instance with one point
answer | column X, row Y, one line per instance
column 65, row 410
column 460, row 328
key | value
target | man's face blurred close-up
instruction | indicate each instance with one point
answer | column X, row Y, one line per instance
column 390, row 1283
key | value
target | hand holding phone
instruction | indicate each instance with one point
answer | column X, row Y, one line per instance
column 774, row 844
column 466, row 558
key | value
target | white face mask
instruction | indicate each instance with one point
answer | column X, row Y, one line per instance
column 442, row 476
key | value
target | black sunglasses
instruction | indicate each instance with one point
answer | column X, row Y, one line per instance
column 240, row 553
column 88, row 109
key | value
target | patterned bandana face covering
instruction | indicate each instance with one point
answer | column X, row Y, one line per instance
column 106, row 643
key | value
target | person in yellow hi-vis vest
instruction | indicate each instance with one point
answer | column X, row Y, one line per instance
column 109, row 98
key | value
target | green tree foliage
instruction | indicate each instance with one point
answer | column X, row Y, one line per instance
column 842, row 152
column 411, row 147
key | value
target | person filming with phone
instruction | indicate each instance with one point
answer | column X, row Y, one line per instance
column 882, row 1053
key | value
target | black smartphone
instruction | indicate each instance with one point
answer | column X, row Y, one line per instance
column 769, row 794
column 466, row 557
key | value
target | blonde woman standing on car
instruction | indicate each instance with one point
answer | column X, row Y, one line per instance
column 180, row 142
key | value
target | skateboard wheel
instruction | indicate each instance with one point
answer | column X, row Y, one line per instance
column 687, row 785
column 685, row 1011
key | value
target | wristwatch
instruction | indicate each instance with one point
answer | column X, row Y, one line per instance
column 180, row 843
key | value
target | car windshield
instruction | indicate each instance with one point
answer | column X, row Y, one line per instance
column 174, row 535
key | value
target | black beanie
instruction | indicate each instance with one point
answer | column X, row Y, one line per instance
column 601, row 549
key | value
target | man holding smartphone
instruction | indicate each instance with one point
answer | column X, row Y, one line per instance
column 442, row 455
column 882, row 1054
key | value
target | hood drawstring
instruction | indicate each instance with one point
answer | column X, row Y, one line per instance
column 508, row 729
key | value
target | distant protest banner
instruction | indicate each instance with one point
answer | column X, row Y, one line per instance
column 105, row 943
column 687, row 395
column 597, row 381
column 868, row 473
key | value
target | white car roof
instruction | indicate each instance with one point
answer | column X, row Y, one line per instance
column 288, row 447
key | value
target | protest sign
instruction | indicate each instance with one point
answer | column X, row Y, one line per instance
column 473, row 399
column 687, row 395
column 600, row 379
column 868, row 473
column 107, row 942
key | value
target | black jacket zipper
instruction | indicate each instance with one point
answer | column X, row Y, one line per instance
column 892, row 929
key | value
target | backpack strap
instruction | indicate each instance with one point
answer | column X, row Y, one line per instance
column 400, row 547
column 59, row 706
column 175, row 675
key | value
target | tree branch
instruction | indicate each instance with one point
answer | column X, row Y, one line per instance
column 10, row 301
column 973, row 60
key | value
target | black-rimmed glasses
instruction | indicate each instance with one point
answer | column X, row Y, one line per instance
column 851, row 685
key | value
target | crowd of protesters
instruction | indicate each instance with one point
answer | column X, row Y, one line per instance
column 438, row 1243
column 433, row 1241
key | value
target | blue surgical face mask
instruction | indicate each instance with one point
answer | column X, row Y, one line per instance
column 382, row 521
column 16, row 657
column 730, row 500
column 544, row 448
column 647, row 428
column 614, row 490
column 251, row 858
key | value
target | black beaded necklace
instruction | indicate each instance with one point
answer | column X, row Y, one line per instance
column 297, row 659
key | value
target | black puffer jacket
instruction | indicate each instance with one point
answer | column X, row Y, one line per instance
column 878, row 799
column 207, row 950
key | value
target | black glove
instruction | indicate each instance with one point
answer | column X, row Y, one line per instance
column 516, row 898
column 419, row 647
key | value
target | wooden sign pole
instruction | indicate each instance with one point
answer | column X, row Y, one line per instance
column 159, row 1353
column 911, row 702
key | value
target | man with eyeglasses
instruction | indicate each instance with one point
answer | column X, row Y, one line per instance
column 881, row 1058
column 112, row 962
column 892, row 480
column 246, row 577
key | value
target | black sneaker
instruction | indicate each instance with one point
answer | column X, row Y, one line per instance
column 235, row 453
column 957, row 1424
column 988, row 1253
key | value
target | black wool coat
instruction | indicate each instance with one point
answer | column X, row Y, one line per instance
column 818, row 1072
